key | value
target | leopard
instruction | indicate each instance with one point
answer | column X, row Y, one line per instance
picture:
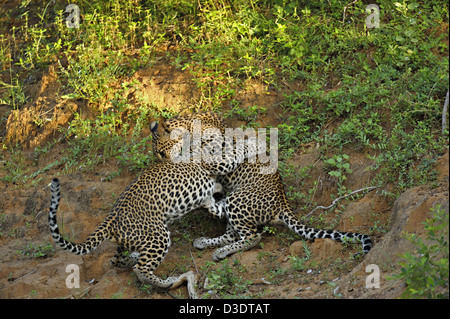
column 252, row 200
column 138, row 223
column 217, row 163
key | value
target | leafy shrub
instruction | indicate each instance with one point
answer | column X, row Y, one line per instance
column 226, row 281
column 426, row 270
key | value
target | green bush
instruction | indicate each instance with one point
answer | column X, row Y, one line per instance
column 378, row 91
column 426, row 270
column 226, row 280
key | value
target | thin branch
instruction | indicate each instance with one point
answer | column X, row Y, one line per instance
column 27, row 274
column 339, row 198
column 345, row 9
column 444, row 114
column 80, row 294
column 193, row 260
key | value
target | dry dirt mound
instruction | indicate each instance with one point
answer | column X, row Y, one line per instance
column 164, row 85
column 408, row 214
column 40, row 119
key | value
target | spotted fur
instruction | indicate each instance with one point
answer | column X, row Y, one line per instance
column 166, row 147
column 138, row 221
column 253, row 199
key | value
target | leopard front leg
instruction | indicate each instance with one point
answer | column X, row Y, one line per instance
column 229, row 237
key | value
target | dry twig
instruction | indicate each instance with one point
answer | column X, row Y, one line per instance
column 345, row 9
column 339, row 198
column 444, row 114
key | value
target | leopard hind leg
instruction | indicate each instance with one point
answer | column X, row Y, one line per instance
column 248, row 237
column 242, row 232
column 229, row 237
column 124, row 259
column 150, row 257
column 218, row 209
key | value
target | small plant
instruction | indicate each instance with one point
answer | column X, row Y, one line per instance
column 299, row 263
column 338, row 167
column 116, row 133
column 13, row 94
column 135, row 156
column 269, row 230
column 226, row 280
column 247, row 114
column 37, row 250
column 426, row 270
column 3, row 221
column 14, row 166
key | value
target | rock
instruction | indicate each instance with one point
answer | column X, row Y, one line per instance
column 296, row 249
column 359, row 215
column 323, row 249
column 408, row 214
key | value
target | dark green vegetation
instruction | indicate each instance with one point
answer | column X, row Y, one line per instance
column 384, row 87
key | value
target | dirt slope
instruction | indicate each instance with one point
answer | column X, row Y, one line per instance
column 273, row 269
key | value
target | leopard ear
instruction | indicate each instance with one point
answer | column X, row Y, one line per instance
column 164, row 125
column 159, row 129
column 153, row 126
column 155, row 129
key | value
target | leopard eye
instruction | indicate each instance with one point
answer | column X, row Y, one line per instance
column 160, row 156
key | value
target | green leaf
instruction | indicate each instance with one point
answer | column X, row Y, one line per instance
column 413, row 5
column 409, row 33
column 335, row 173
column 70, row 96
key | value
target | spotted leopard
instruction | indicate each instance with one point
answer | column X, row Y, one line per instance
column 253, row 199
column 206, row 149
column 138, row 221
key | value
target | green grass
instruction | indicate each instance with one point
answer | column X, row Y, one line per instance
column 383, row 88
column 226, row 280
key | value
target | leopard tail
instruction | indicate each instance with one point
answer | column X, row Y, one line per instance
column 310, row 233
column 80, row 249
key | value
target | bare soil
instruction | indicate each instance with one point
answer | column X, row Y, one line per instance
column 271, row 270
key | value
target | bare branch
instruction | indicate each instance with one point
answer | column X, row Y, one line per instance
column 345, row 9
column 193, row 260
column 339, row 198
column 444, row 114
